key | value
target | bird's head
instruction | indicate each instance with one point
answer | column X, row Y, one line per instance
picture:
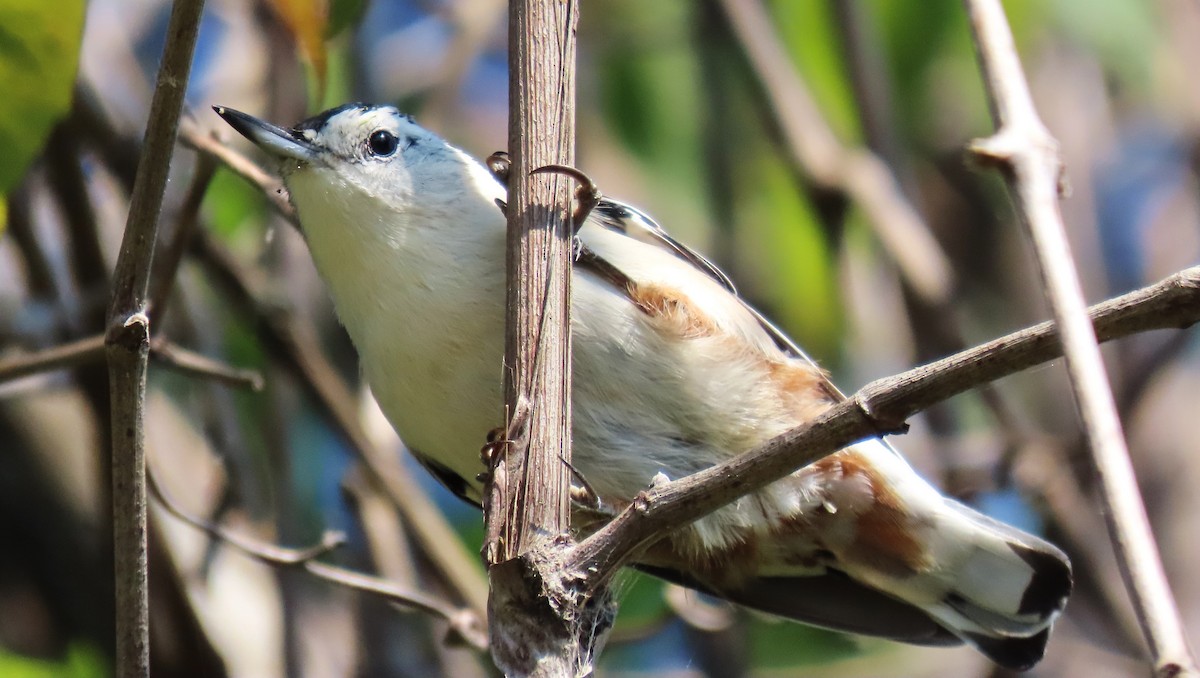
column 365, row 157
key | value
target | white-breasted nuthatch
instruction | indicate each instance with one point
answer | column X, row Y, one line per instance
column 673, row 372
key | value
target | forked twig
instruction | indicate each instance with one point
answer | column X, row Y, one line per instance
column 1028, row 156
column 466, row 626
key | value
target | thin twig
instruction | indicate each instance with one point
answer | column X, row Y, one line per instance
column 127, row 341
column 91, row 349
column 1028, row 155
column 878, row 408
column 466, row 624
column 192, row 134
column 71, row 354
column 191, row 363
column 856, row 172
column 169, row 260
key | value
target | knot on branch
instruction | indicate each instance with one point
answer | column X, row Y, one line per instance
column 882, row 423
column 131, row 334
column 1014, row 146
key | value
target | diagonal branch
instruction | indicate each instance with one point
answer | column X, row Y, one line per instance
column 1027, row 154
column 878, row 408
column 189, row 362
column 207, row 143
column 854, row 171
column 78, row 352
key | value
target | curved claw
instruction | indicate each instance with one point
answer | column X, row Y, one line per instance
column 573, row 172
column 588, row 194
column 500, row 163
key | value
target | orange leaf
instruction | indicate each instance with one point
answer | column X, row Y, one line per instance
column 307, row 21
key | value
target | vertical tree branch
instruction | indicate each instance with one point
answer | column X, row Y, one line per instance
column 127, row 341
column 528, row 502
column 1028, row 155
column 537, row 347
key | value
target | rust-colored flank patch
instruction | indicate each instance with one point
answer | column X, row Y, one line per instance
column 801, row 387
column 884, row 533
column 672, row 308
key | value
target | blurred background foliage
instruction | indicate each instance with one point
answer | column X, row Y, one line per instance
column 674, row 118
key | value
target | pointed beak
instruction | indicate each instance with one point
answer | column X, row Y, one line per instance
column 277, row 141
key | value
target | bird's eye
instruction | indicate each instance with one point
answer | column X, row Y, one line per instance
column 382, row 143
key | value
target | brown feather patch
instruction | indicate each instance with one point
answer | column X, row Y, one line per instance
column 885, row 534
column 672, row 308
column 801, row 387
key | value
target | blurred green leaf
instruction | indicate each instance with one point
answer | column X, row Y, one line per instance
column 39, row 53
column 913, row 35
column 231, row 203
column 930, row 57
column 776, row 644
column 81, row 661
column 642, row 603
column 312, row 25
column 343, row 14
column 650, row 85
column 652, row 94
column 785, row 254
column 339, row 80
column 808, row 30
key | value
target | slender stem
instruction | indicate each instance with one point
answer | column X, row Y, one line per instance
column 1028, row 155
column 71, row 354
column 89, row 349
column 127, row 341
column 191, row 363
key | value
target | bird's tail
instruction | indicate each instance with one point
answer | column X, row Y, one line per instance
column 1006, row 589
column 884, row 554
